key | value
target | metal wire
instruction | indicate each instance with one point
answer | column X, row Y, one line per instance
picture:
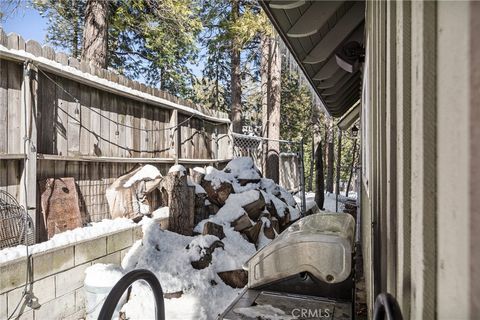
column 108, row 118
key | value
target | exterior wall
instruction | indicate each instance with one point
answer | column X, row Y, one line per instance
column 420, row 108
column 58, row 275
column 453, row 34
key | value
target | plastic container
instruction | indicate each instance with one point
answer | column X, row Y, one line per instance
column 99, row 281
column 320, row 244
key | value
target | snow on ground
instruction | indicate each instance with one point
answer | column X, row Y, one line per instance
column 264, row 312
column 329, row 202
column 148, row 172
column 95, row 229
column 169, row 256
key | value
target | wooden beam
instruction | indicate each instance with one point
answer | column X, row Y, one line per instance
column 53, row 157
column 328, row 69
column 342, row 29
column 12, row 156
column 331, row 82
column 347, row 79
column 314, row 18
column 286, row 4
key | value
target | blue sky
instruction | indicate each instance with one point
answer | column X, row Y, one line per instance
column 28, row 23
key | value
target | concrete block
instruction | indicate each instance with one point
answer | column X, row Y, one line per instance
column 120, row 240
column 137, row 233
column 3, row 306
column 52, row 262
column 76, row 316
column 24, row 315
column 13, row 275
column 70, row 280
column 59, row 308
column 43, row 289
column 110, row 258
column 80, row 300
column 123, row 253
column 90, row 250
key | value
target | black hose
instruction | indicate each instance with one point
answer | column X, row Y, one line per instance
column 386, row 307
column 123, row 284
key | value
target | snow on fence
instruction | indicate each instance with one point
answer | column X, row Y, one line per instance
column 62, row 117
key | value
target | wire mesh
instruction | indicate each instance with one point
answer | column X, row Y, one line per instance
column 290, row 156
column 15, row 223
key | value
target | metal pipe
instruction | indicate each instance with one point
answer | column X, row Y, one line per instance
column 339, row 161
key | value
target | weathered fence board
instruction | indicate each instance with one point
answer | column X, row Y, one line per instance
column 15, row 80
column 3, row 106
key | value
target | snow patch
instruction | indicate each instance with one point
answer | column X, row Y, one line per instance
column 264, row 312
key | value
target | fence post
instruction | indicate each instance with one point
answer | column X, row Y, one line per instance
column 175, row 136
column 28, row 181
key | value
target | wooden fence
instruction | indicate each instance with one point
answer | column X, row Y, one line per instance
column 61, row 117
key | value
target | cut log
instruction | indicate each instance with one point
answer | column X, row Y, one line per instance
column 242, row 223
column 201, row 212
column 173, row 295
column 181, row 200
column 255, row 209
column 213, row 229
column 253, row 232
column 206, row 259
column 234, row 278
column 217, row 195
column 212, row 209
column 244, row 182
column 270, row 232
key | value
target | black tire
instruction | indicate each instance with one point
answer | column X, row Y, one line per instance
column 124, row 283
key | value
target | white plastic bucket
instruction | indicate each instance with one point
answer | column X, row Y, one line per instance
column 99, row 281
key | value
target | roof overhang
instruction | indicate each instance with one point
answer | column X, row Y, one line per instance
column 350, row 117
column 315, row 33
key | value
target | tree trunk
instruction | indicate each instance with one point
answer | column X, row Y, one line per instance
column 352, row 167
column 330, row 158
column 95, row 33
column 271, row 64
column 312, row 163
column 236, row 86
column 181, row 201
column 319, row 181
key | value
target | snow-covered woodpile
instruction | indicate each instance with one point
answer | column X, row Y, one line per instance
column 239, row 197
column 206, row 200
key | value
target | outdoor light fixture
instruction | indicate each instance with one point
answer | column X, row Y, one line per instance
column 355, row 131
column 350, row 56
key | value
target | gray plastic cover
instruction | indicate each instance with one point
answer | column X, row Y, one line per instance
column 320, row 244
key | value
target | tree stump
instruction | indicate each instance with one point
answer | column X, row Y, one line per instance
column 181, row 201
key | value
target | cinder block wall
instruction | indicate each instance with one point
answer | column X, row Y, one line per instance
column 58, row 275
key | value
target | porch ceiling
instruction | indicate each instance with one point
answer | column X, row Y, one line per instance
column 313, row 31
